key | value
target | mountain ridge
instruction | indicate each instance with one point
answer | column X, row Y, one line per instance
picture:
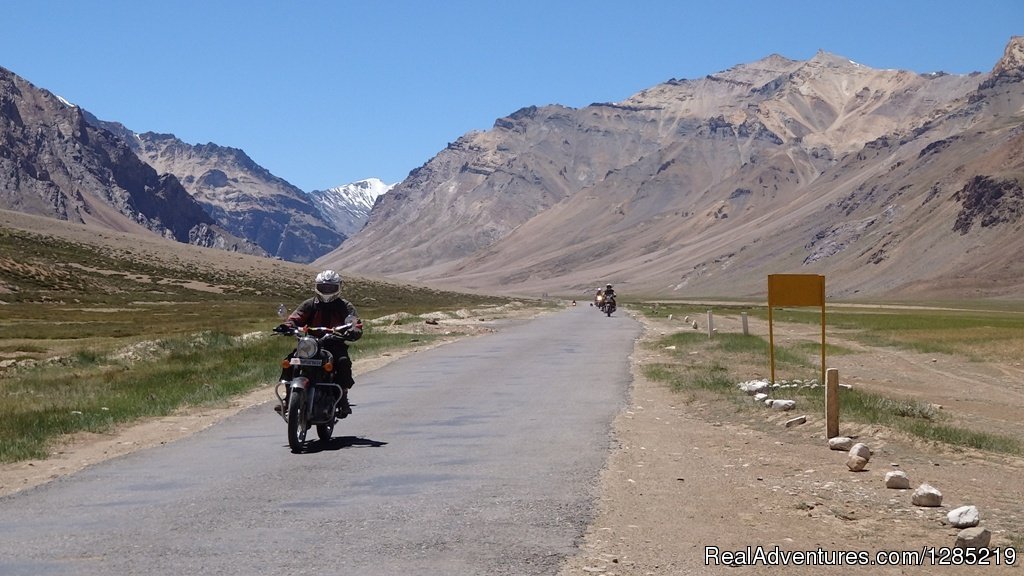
column 54, row 163
column 702, row 187
column 62, row 161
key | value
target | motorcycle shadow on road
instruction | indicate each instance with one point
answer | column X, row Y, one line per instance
column 340, row 443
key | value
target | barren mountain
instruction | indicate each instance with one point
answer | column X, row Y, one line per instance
column 243, row 196
column 891, row 183
column 54, row 163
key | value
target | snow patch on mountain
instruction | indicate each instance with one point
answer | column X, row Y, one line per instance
column 347, row 207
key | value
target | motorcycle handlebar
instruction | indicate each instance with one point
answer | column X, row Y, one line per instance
column 338, row 330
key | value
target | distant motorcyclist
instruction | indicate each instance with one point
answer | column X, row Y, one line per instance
column 328, row 308
column 609, row 292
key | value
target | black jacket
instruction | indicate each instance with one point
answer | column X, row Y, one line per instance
column 315, row 312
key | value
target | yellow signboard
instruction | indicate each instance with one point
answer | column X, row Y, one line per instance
column 796, row 290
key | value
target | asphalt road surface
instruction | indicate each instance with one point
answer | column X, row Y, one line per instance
column 477, row 457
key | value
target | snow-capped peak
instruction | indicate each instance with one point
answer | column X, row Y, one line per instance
column 348, row 206
column 362, row 193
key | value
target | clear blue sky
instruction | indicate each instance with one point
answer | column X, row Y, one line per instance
column 326, row 92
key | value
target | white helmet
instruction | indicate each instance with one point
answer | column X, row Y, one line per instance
column 328, row 285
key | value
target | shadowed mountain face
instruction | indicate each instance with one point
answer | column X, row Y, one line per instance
column 244, row 197
column 59, row 160
column 54, row 163
column 890, row 183
column 240, row 195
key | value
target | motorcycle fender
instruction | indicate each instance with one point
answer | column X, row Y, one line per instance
column 299, row 383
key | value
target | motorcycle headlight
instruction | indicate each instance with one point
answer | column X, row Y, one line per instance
column 306, row 348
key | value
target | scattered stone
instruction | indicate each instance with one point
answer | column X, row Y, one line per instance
column 846, row 386
column 926, row 495
column 783, row 405
column 431, row 321
column 840, row 443
column 856, row 463
column 760, row 397
column 670, row 347
column 796, row 421
column 694, row 324
column 976, row 537
column 752, row 387
column 862, row 450
column 897, row 480
column 964, row 517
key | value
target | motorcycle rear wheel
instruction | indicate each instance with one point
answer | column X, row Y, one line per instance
column 296, row 421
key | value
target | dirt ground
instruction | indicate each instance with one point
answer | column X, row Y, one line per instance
column 688, row 472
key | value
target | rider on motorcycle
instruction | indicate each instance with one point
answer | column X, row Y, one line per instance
column 328, row 308
column 608, row 292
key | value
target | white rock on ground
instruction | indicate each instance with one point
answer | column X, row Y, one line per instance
column 926, row 495
column 897, row 480
column 782, row 404
column 796, row 421
column 752, row 387
column 964, row 517
column 862, row 450
column 843, row 443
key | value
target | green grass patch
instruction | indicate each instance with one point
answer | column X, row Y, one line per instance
column 93, row 392
column 978, row 334
column 980, row 331
column 718, row 364
column 713, row 377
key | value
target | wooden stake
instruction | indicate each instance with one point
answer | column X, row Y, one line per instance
column 831, row 403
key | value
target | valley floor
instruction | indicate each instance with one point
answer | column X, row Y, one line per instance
column 691, row 472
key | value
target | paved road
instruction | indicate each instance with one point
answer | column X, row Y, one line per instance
column 478, row 457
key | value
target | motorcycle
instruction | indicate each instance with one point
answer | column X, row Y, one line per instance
column 599, row 302
column 609, row 304
column 311, row 397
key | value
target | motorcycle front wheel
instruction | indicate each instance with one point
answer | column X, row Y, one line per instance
column 296, row 421
column 324, row 431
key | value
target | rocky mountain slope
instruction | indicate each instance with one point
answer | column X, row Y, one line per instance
column 54, row 163
column 891, row 183
column 245, row 197
column 348, row 207
column 58, row 160
column 238, row 193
